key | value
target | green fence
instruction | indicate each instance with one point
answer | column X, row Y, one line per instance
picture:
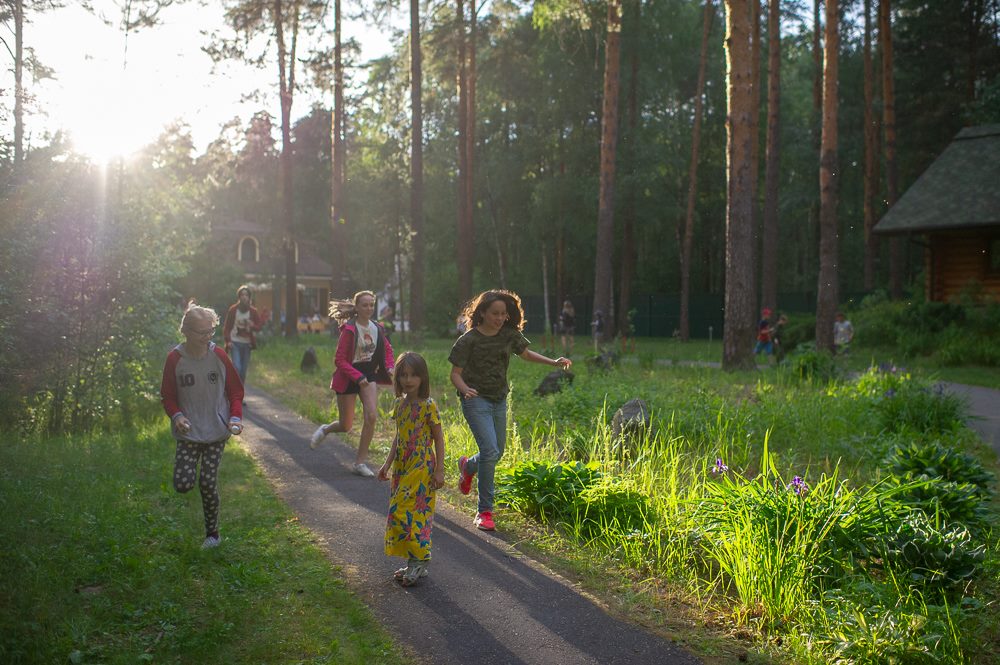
column 658, row 315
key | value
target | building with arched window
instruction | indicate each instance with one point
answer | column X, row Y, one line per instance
column 259, row 255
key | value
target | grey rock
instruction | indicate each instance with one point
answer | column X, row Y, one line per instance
column 553, row 382
column 310, row 363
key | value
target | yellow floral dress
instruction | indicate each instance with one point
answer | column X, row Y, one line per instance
column 411, row 503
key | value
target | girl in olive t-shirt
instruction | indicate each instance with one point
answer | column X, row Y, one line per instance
column 479, row 359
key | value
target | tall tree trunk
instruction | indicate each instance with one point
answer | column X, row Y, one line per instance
column 495, row 219
column 812, row 232
column 416, row 172
column 628, row 217
column 18, row 7
column 337, row 174
column 769, row 231
column 464, row 235
column 755, row 77
column 871, row 156
column 692, row 194
column 561, row 294
column 286, row 80
column 545, row 290
column 827, row 292
column 470, row 136
column 889, row 127
column 609, row 146
column 738, row 333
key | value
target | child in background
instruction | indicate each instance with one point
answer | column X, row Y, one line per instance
column 597, row 329
column 567, row 327
column 843, row 333
column 764, row 331
column 242, row 321
column 416, row 460
column 203, row 396
column 362, row 360
column 479, row 361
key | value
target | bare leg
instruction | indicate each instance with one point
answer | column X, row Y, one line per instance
column 369, row 406
column 345, row 415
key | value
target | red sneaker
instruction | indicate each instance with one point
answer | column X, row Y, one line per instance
column 464, row 478
column 484, row 521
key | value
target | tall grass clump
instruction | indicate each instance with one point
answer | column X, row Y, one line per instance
column 904, row 403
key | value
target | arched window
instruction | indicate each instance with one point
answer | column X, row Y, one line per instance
column 248, row 250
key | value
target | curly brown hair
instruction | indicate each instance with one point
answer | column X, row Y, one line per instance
column 473, row 310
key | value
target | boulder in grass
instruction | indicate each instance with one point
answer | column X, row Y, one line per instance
column 553, row 382
column 630, row 420
column 605, row 360
column 310, row 363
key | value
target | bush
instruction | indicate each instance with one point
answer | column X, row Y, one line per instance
column 613, row 503
column 545, row 490
column 934, row 460
column 809, row 364
column 905, row 404
column 944, row 501
column 866, row 623
column 932, row 555
column 919, row 408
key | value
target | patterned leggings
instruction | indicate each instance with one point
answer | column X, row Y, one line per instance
column 186, row 468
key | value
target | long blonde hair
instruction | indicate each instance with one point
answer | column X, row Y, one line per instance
column 344, row 310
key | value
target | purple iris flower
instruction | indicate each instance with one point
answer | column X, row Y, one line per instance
column 719, row 467
column 798, row 486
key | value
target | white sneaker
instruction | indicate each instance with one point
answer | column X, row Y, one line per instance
column 362, row 470
column 210, row 542
column 317, row 437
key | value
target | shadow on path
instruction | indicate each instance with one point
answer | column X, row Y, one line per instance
column 483, row 602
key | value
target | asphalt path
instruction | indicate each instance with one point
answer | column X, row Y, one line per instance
column 984, row 411
column 483, row 602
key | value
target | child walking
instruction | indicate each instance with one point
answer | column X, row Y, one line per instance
column 362, row 360
column 203, row 396
column 417, row 469
column 479, row 361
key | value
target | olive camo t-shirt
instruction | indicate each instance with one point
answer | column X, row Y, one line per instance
column 484, row 359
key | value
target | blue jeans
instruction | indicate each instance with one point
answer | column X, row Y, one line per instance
column 241, row 359
column 488, row 421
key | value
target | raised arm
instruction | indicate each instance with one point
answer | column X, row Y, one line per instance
column 533, row 357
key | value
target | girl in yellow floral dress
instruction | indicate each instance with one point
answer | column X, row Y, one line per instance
column 416, row 460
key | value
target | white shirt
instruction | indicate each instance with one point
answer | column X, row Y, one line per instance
column 367, row 340
column 242, row 322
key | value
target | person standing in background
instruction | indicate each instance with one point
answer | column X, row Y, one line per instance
column 242, row 321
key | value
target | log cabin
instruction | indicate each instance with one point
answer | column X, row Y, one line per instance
column 953, row 210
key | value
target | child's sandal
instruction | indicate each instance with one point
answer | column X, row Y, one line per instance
column 412, row 574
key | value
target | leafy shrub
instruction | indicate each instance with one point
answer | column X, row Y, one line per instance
column 612, row 502
column 944, row 501
column 960, row 333
column 867, row 624
column 545, row 490
column 905, row 404
column 962, row 346
column 809, row 364
column 931, row 459
column 919, row 408
column 932, row 555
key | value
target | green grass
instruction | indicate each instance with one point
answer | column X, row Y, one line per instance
column 101, row 562
column 752, row 579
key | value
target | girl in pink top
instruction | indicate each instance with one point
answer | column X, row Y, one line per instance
column 363, row 359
